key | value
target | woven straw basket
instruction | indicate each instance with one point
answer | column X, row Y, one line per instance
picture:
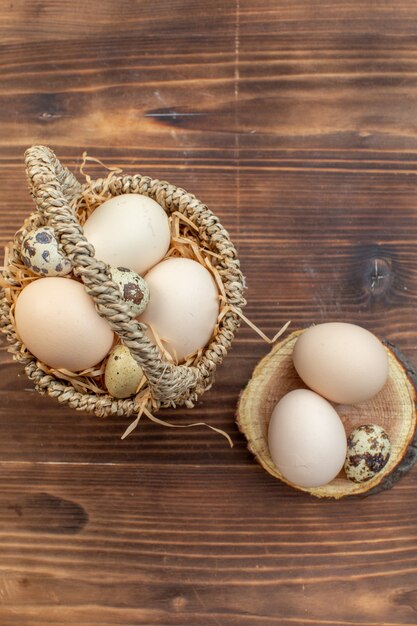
column 56, row 191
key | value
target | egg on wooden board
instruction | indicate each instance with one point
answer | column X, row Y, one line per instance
column 306, row 439
column 130, row 230
column 183, row 305
column 368, row 451
column 58, row 323
column 343, row 362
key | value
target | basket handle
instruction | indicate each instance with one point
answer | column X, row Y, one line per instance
column 53, row 188
column 49, row 180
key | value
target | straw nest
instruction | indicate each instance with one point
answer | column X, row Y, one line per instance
column 64, row 204
column 393, row 408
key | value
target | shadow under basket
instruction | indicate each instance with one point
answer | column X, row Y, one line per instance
column 393, row 408
column 58, row 196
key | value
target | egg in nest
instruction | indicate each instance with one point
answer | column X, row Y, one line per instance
column 41, row 253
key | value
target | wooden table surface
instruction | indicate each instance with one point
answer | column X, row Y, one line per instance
column 296, row 122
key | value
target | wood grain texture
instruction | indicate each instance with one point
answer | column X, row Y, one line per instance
column 294, row 120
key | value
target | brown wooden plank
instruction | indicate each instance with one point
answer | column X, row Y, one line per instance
column 179, row 545
column 35, row 428
column 24, row 20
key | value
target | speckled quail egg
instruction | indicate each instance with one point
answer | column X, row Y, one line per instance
column 41, row 254
column 368, row 450
column 134, row 288
column 122, row 374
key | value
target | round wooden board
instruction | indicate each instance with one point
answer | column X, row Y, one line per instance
column 394, row 408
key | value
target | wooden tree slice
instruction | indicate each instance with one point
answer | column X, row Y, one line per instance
column 393, row 408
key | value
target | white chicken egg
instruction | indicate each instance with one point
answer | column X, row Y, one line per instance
column 183, row 305
column 130, row 230
column 58, row 322
column 343, row 362
column 306, row 439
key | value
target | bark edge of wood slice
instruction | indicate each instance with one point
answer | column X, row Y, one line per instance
column 393, row 408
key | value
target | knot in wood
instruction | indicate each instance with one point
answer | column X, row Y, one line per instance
column 378, row 275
